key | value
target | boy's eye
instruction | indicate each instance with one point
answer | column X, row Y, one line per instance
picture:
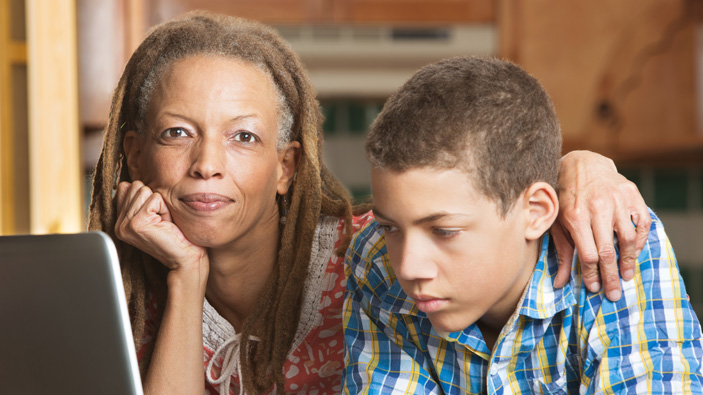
column 387, row 228
column 245, row 137
column 445, row 232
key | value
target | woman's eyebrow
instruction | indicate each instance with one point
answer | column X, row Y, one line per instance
column 186, row 118
column 169, row 114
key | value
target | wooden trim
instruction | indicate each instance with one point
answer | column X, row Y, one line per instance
column 6, row 134
column 17, row 52
column 135, row 25
column 54, row 141
column 508, row 12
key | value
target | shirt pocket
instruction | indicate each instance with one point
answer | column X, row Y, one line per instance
column 556, row 387
column 559, row 385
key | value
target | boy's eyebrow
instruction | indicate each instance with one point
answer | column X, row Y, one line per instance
column 429, row 218
column 433, row 217
column 377, row 213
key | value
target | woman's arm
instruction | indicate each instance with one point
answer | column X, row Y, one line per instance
column 177, row 362
column 144, row 221
column 597, row 202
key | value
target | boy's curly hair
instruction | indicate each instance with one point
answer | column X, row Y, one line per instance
column 484, row 115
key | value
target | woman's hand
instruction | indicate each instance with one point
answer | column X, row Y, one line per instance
column 595, row 202
column 145, row 222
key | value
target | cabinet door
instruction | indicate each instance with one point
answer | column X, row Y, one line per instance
column 268, row 11
column 622, row 74
column 419, row 11
column 342, row 11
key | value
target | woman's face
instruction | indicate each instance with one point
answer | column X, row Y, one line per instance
column 209, row 149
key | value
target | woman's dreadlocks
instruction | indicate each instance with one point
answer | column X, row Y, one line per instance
column 314, row 192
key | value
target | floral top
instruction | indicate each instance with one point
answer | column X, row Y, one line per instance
column 316, row 359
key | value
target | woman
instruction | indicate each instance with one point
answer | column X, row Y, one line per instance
column 229, row 227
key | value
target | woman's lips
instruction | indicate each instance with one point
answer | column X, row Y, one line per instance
column 206, row 202
column 429, row 304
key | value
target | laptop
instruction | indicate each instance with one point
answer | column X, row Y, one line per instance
column 64, row 326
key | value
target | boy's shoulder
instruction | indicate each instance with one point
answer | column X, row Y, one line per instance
column 369, row 271
column 367, row 257
column 657, row 287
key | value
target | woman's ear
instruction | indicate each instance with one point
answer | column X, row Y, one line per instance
column 132, row 145
column 288, row 159
column 542, row 205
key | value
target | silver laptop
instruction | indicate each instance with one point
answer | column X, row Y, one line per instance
column 64, row 327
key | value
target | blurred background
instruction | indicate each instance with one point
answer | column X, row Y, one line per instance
column 626, row 78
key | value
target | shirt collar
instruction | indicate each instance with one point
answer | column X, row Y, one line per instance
column 542, row 300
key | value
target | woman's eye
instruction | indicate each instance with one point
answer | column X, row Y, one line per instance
column 445, row 232
column 245, row 137
column 175, row 133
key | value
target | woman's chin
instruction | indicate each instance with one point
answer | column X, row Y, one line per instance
column 207, row 238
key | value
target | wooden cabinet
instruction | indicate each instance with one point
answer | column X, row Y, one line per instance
column 418, row 11
column 110, row 30
column 340, row 11
column 625, row 76
column 40, row 176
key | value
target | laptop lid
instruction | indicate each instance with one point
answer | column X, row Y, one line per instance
column 64, row 326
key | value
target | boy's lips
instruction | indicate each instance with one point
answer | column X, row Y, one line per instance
column 428, row 304
column 205, row 202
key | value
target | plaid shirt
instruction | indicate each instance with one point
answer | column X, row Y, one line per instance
column 558, row 341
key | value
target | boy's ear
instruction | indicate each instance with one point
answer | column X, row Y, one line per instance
column 542, row 205
column 288, row 158
column 132, row 145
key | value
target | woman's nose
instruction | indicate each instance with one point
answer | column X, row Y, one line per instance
column 208, row 158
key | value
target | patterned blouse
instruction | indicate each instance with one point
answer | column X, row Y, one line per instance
column 316, row 359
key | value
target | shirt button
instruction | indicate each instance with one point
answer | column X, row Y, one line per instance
column 494, row 369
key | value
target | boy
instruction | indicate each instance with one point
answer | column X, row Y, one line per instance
column 450, row 289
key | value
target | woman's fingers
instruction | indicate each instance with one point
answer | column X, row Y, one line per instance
column 634, row 224
column 138, row 198
column 126, row 194
column 121, row 194
column 144, row 221
column 643, row 222
column 577, row 224
column 628, row 210
column 627, row 243
column 632, row 227
column 596, row 202
column 592, row 230
column 603, row 234
column 130, row 199
column 565, row 253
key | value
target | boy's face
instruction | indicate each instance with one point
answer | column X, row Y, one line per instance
column 452, row 252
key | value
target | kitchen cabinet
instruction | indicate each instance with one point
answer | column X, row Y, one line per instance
column 625, row 76
column 341, row 11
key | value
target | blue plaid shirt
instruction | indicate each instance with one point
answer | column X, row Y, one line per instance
column 558, row 341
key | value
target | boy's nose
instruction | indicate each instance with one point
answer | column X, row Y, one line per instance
column 414, row 263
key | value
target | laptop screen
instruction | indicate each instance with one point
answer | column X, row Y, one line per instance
column 64, row 324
